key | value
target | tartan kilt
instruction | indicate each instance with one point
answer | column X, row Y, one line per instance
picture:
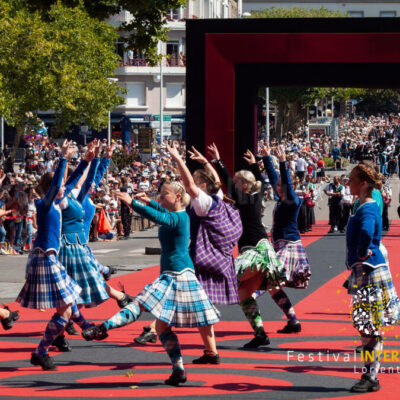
column 92, row 257
column 263, row 258
column 375, row 300
column 294, row 259
column 179, row 300
column 85, row 272
column 47, row 283
column 221, row 289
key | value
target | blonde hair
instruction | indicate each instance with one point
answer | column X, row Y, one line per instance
column 179, row 188
column 249, row 178
column 207, row 177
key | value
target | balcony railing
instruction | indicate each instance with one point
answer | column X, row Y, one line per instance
column 169, row 62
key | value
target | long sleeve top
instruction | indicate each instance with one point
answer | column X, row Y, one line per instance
column 287, row 209
column 249, row 206
column 87, row 204
column 72, row 215
column 49, row 215
column 173, row 233
column 363, row 234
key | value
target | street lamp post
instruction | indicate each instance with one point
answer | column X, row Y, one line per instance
column 267, row 115
column 111, row 80
column 161, row 98
column 2, row 133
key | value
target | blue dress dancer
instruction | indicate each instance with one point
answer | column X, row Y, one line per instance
column 48, row 284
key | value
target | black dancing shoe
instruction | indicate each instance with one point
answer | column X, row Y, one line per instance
column 62, row 344
column 176, row 378
column 146, row 336
column 111, row 271
column 70, row 329
column 291, row 328
column 257, row 341
column 9, row 321
column 45, row 361
column 125, row 300
column 207, row 359
column 96, row 332
column 366, row 384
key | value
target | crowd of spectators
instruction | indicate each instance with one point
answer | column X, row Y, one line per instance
column 374, row 138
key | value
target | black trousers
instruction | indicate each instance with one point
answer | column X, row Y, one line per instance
column 126, row 219
column 335, row 213
column 302, row 218
column 385, row 217
column 344, row 219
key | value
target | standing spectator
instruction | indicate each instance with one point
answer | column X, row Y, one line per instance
column 336, row 157
column 126, row 214
column 320, row 170
column 335, row 192
column 301, row 165
column 387, row 198
column 346, row 204
column 301, row 190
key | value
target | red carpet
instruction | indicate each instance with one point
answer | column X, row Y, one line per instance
column 326, row 327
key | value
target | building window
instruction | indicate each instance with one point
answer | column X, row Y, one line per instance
column 174, row 95
column 120, row 47
column 174, row 14
column 136, row 96
column 356, row 14
column 387, row 14
column 173, row 53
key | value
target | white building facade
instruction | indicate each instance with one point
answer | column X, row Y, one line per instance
column 355, row 8
column 144, row 104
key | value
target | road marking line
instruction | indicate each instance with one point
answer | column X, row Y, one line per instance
column 104, row 251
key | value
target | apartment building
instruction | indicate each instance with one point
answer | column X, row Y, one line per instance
column 144, row 84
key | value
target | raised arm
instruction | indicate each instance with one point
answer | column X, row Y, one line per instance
column 89, row 179
column 104, row 163
column 153, row 211
column 197, row 156
column 79, row 170
column 223, row 172
column 186, row 176
column 58, row 176
column 286, row 180
column 254, row 168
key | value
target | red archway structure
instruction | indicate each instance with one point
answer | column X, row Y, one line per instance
column 227, row 60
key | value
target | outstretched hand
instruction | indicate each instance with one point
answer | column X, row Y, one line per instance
column 109, row 150
column 249, row 157
column 124, row 197
column 265, row 150
column 143, row 198
column 173, row 150
column 280, row 153
column 97, row 150
column 67, row 150
column 197, row 156
column 213, row 151
column 90, row 151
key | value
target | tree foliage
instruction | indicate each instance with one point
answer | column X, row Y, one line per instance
column 143, row 31
column 61, row 64
column 296, row 12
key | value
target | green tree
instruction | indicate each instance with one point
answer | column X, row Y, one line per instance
column 61, row 64
column 143, row 31
column 296, row 12
column 292, row 102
